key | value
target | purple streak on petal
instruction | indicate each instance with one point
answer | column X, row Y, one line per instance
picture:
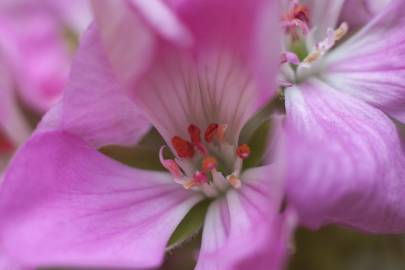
column 216, row 81
column 345, row 162
column 95, row 106
column 370, row 65
column 249, row 31
column 75, row 207
column 271, row 245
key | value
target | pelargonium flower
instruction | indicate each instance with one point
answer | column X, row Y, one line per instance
column 346, row 162
column 197, row 70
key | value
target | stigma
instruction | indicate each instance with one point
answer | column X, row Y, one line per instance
column 205, row 161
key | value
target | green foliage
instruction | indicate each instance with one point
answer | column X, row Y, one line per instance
column 190, row 225
column 334, row 248
column 144, row 155
column 258, row 145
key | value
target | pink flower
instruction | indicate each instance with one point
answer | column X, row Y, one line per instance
column 346, row 162
column 197, row 70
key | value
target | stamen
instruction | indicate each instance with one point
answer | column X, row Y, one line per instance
column 234, row 181
column 170, row 164
column 200, row 177
column 297, row 17
column 210, row 132
column 201, row 149
column 325, row 45
column 209, row 163
column 195, row 134
column 215, row 131
column 184, row 149
column 243, row 151
column 189, row 184
column 221, row 132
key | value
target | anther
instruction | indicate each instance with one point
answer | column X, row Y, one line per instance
column 195, row 134
column 184, row 149
column 221, row 132
column 325, row 45
column 210, row 132
column 234, row 181
column 209, row 163
column 297, row 16
column 301, row 13
column 170, row 164
column 243, row 151
column 189, row 184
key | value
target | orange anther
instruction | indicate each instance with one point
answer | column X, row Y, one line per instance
column 243, row 151
column 209, row 163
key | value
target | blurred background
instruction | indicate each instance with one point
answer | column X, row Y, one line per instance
column 331, row 248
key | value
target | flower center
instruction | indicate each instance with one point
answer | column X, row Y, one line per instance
column 295, row 23
column 210, row 165
column 296, row 18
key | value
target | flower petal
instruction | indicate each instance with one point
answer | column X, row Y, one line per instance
column 345, row 162
column 127, row 56
column 249, row 211
column 370, row 64
column 221, row 78
column 323, row 15
column 95, row 106
column 365, row 10
column 271, row 244
column 76, row 207
column 37, row 49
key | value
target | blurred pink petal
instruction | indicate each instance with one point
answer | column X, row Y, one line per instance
column 38, row 51
column 87, row 210
column 234, row 220
column 346, row 164
column 370, row 65
column 95, row 105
